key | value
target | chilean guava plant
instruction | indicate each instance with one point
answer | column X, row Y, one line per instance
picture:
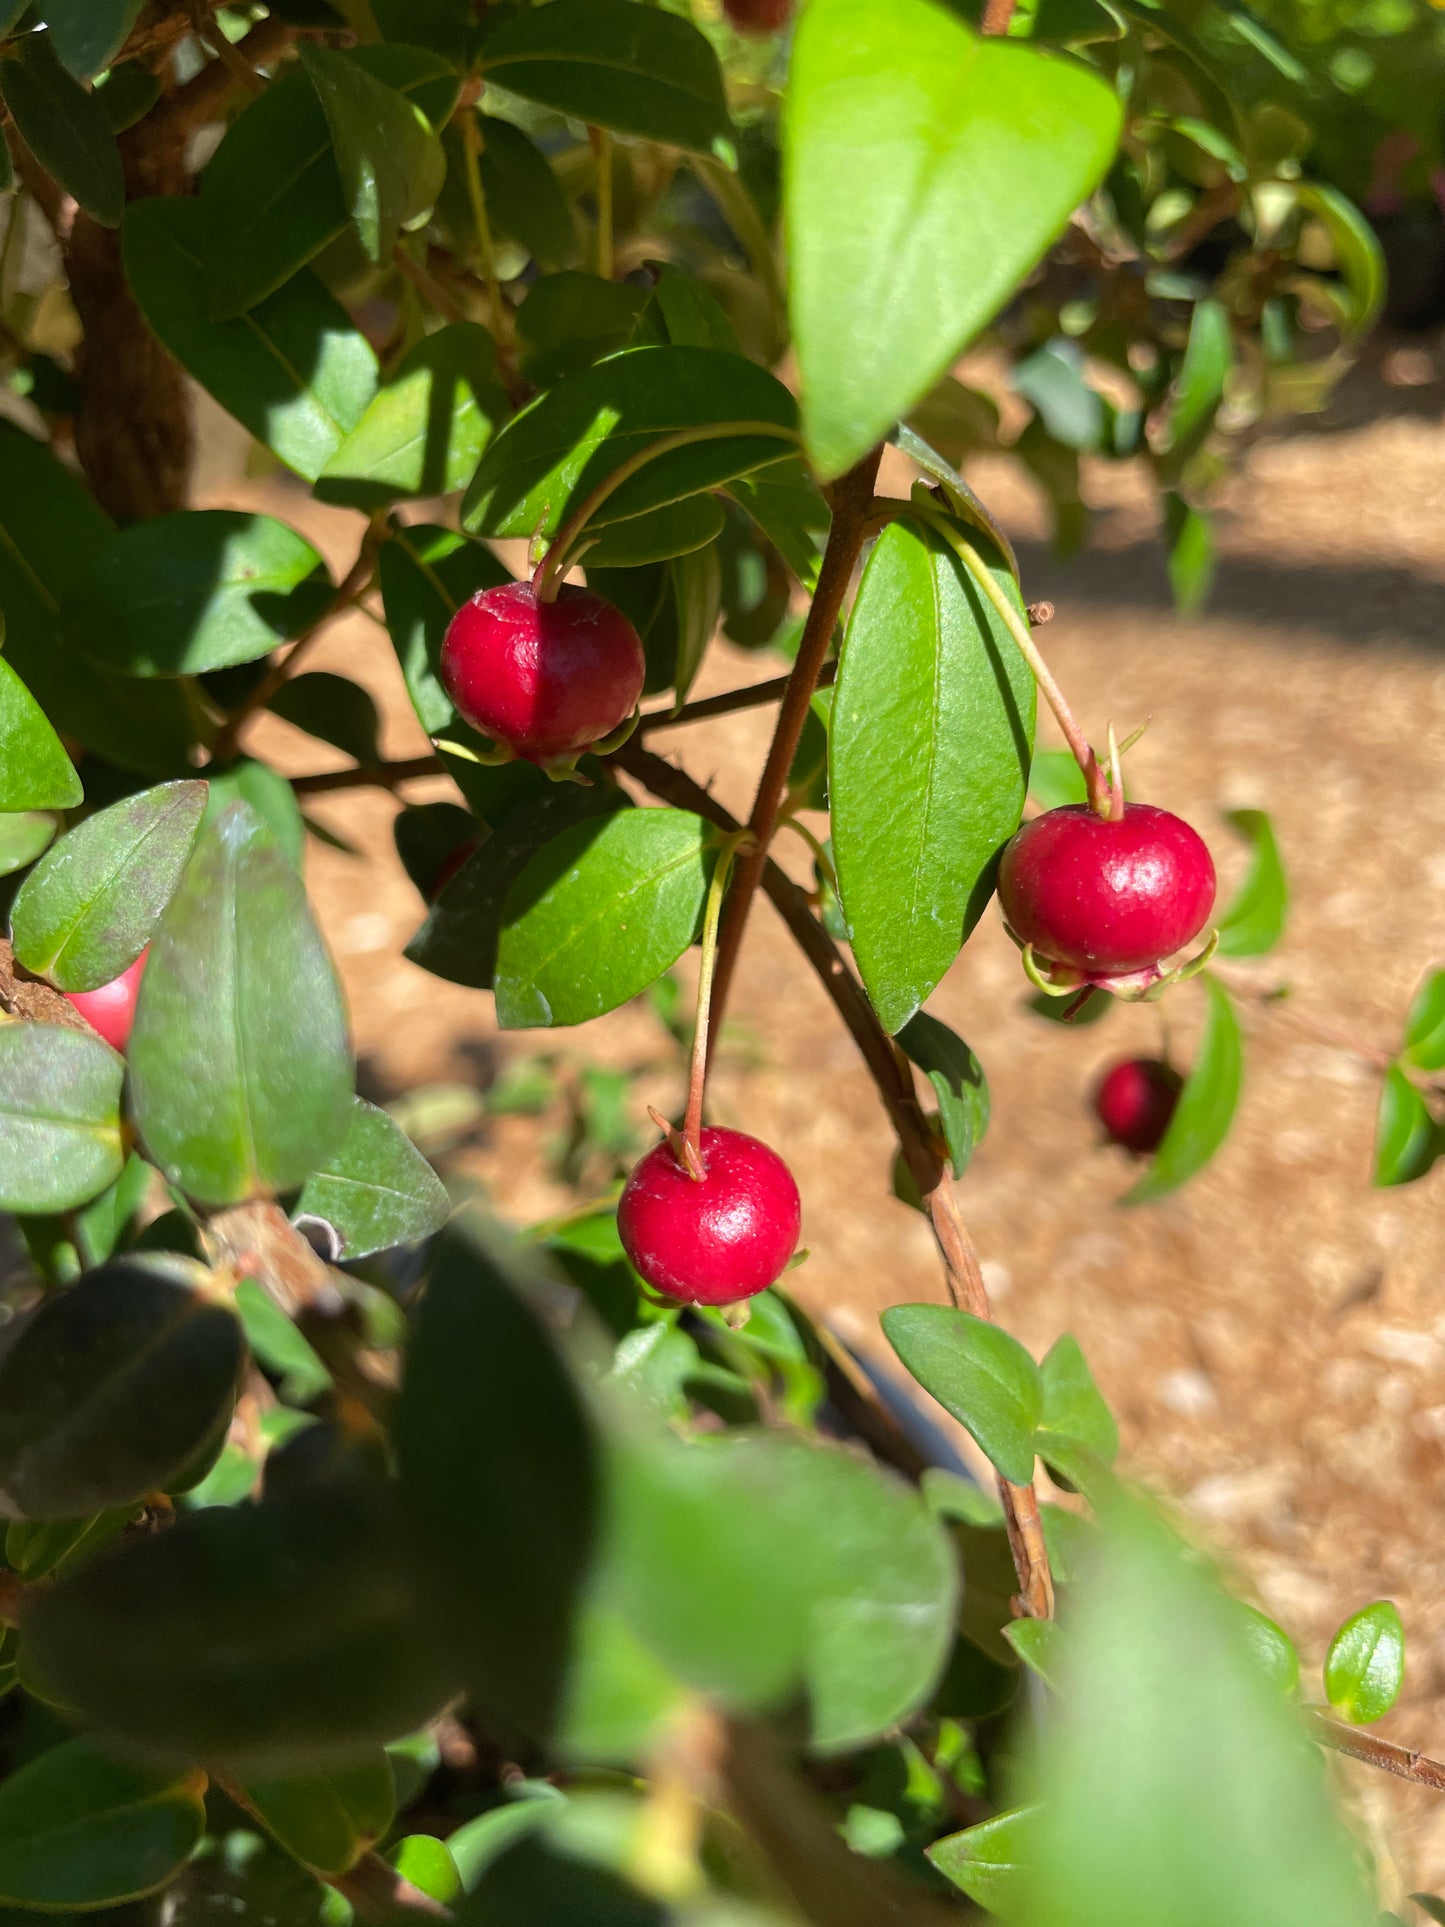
column 362, row 1561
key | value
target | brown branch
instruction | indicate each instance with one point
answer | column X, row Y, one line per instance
column 996, row 16
column 852, row 500
column 752, row 696
column 382, row 776
column 1402, row 1761
column 204, row 97
column 32, row 999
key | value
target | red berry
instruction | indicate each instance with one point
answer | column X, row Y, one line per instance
column 1102, row 896
column 549, row 679
column 1135, row 1102
column 714, row 1240
column 111, row 1009
column 758, row 16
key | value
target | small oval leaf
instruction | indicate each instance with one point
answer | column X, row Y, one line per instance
column 1407, row 1138
column 1424, row 1041
column 979, row 1373
column 1365, row 1664
column 376, row 1189
column 327, row 1820
column 60, row 1142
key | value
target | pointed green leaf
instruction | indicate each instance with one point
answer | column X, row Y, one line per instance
column 926, row 171
column 1037, row 1643
column 1357, row 248
column 269, row 795
column 1254, row 921
column 327, row 1820
column 1192, row 555
column 598, row 914
column 240, row 982
column 294, row 371
column 425, row 1863
column 979, row 1373
column 1074, row 1407
column 23, row 837
column 376, row 1189
column 88, row 34
column 1207, row 1103
column 929, row 753
column 60, row 1140
column 1199, row 385
column 390, row 161
column 1407, row 1138
column 988, row 1861
column 958, row 1082
column 65, row 127
column 35, row 772
column 523, row 196
column 615, row 64
column 1365, row 1665
column 87, row 910
column 79, row 1830
column 1424, row 1040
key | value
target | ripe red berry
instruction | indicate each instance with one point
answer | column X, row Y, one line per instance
column 714, row 1240
column 549, row 679
column 758, row 17
column 1135, row 1102
column 1104, row 896
column 111, row 1009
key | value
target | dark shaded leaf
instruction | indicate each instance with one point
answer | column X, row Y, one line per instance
column 60, row 1136
column 88, row 34
column 23, row 837
column 35, row 772
column 524, row 200
column 390, row 161
column 66, row 128
column 327, row 1820
column 376, row 1190
column 426, row 573
column 979, row 1373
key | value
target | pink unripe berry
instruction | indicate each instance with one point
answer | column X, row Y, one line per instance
column 1135, row 1102
column 1104, row 896
column 713, row 1240
column 759, row 17
column 549, row 679
column 111, row 1009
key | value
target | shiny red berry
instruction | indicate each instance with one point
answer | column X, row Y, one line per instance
column 111, row 1009
column 713, row 1240
column 549, row 679
column 1106, row 896
column 1135, row 1102
column 758, row 17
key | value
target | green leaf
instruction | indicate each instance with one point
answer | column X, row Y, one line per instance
column 425, row 1863
column 1074, row 1407
column 1207, row 1103
column 1156, row 1650
column 977, row 1372
column 1199, row 385
column 1055, row 779
column 929, row 753
column 60, row 1138
column 1407, row 1138
column 425, row 431
column 391, row 162
column 66, row 128
column 128, row 93
column 551, row 456
column 524, row 199
column 35, row 1548
column 1038, row 1644
column 269, row 795
column 23, row 837
column 569, row 321
column 426, row 574
column 598, row 914
column 35, row 772
column 79, row 1830
column 278, row 1071
column 113, row 1386
column 498, row 1475
column 697, row 593
column 278, row 1344
column 1254, row 922
column 477, row 1843
column 376, row 1190
column 1365, row 1664
column 1192, row 555
column 1357, row 252
column 989, row 1861
column 677, row 528
column 967, row 506
column 1431, row 1905
column 88, row 34
column 327, row 1820
column 1423, row 1045
column 1052, row 379
column 181, row 594
column 87, row 910
column 261, row 1639
column 334, row 710
column 617, row 65
column 294, row 371
column 1272, row 1647
column 926, row 171
column 958, row 1082
column 788, row 508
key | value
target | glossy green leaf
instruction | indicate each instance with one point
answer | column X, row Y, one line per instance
column 499, row 1478
column 477, row 1843
column 35, row 772
column 1407, row 1138
column 524, row 199
column 23, row 837
column 1074, row 1407
column 425, row 1863
column 958, row 1082
column 88, row 34
column 87, row 910
column 426, row 573
column 427, row 426
column 390, row 160
column 79, row 1830
column 615, row 64
column 988, row 1861
column 552, row 455
column 269, row 794
column 929, row 753
column 1199, row 385
column 1056, row 779
column 181, row 594
column 65, row 127
column 278, row 1344
column 1254, row 921
column 276, row 1071
column 1038, row 1644
column 926, row 171
column 598, row 914
column 1365, row 1664
column 1424, row 1040
column 294, row 371
column 1207, row 1103
column 60, row 1134
column 327, row 1820
column 677, row 528
column 1357, row 249
column 979, row 1373
column 376, row 1189
column 113, row 1386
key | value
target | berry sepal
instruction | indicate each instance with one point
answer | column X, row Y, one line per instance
column 1130, row 986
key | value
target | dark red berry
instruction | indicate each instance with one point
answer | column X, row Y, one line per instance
column 111, row 1009
column 1102, row 896
column 1135, row 1102
column 714, row 1240
column 549, row 679
column 758, row 17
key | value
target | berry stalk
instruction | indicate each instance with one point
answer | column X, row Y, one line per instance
column 697, row 1078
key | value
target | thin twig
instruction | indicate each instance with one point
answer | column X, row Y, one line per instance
column 1402, row 1761
column 486, row 254
column 427, row 285
column 204, row 96
column 360, row 776
column 601, row 142
column 752, row 696
column 996, row 16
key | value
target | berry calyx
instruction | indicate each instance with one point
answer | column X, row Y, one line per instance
column 758, row 17
column 110, row 1010
column 717, row 1239
column 547, row 679
column 1106, row 897
column 1135, row 1102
